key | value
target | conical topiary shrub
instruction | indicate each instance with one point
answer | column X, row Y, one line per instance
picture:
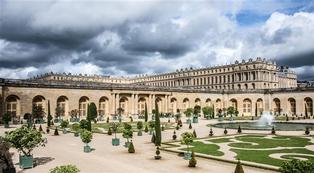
column 225, row 131
column 194, row 134
column 153, row 140
column 56, row 133
column 146, row 129
column 190, row 126
column 107, row 120
column 40, row 128
column 109, row 131
column 131, row 148
column 157, row 157
column 307, row 131
column 178, row 127
column 239, row 129
column 192, row 161
column 47, row 130
column 239, row 168
column 273, row 131
column 211, row 133
column 174, row 136
column 34, row 127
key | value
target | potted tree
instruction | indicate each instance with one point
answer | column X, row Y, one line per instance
column 25, row 139
column 196, row 111
column 188, row 113
column 220, row 116
column 114, row 126
column 64, row 124
column 6, row 119
column 139, row 126
column 75, row 128
column 187, row 139
column 127, row 133
column 207, row 111
column 86, row 137
column 151, row 125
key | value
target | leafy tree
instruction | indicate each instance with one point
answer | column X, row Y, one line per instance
column 192, row 161
column 188, row 112
column 84, row 124
column 231, row 110
column 65, row 169
column 25, row 139
column 157, row 126
column 239, row 168
column 139, row 125
column 127, row 131
column 146, row 113
column 59, row 112
column 86, row 136
column 64, row 124
column 114, row 126
column 207, row 111
column 187, row 139
column 213, row 111
column 38, row 111
column 6, row 118
column 297, row 166
column 49, row 118
column 92, row 112
column 197, row 110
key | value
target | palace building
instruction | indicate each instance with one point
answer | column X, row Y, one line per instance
column 250, row 86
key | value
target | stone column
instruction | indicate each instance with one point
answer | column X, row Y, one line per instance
column 117, row 102
column 153, row 102
column 149, row 103
column 136, row 103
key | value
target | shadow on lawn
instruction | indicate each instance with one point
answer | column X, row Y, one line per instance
column 42, row 160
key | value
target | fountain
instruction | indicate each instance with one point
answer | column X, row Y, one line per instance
column 265, row 120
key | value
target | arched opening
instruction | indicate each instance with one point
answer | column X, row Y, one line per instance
column 141, row 106
column 247, row 107
column 39, row 105
column 292, row 106
column 173, row 105
column 123, row 103
column 234, row 104
column 198, row 101
column 159, row 103
column 13, row 106
column 218, row 105
column 103, row 107
column 246, row 86
column 186, row 103
column 62, row 104
column 83, row 104
column 259, row 106
column 308, row 106
column 208, row 102
column 276, row 106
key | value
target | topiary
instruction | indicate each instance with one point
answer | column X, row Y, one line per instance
column 131, row 119
column 146, row 129
column 109, row 131
column 47, row 130
column 178, row 127
column 211, row 133
column 307, row 131
column 65, row 169
column 153, row 140
column 190, row 126
column 84, row 124
column 34, row 127
column 131, row 148
column 239, row 129
column 273, row 131
column 40, row 128
column 56, row 133
column 157, row 157
column 239, row 168
column 174, row 136
column 86, row 136
column 64, row 124
column 139, row 125
column 194, row 134
column 192, row 161
column 225, row 131
column 107, row 120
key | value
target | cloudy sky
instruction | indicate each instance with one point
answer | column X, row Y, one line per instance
column 121, row 37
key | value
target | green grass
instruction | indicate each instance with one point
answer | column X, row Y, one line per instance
column 269, row 143
column 262, row 156
column 220, row 140
column 209, row 149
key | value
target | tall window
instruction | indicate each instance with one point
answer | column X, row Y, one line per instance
column 83, row 103
column 247, row 106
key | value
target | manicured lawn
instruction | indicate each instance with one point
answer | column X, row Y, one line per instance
column 262, row 156
column 210, row 149
column 220, row 140
column 269, row 143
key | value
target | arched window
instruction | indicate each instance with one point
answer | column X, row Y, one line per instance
column 13, row 106
column 247, row 106
column 141, row 106
column 308, row 105
column 186, row 103
column 62, row 104
column 277, row 106
column 83, row 104
column 103, row 106
column 292, row 105
column 123, row 103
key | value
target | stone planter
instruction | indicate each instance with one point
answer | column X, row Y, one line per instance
column 6, row 125
column 9, row 170
column 26, row 162
column 188, row 121
column 76, row 134
column 139, row 133
column 208, row 118
column 87, row 149
column 72, row 119
column 195, row 119
column 187, row 155
column 115, row 141
column 221, row 118
column 64, row 131
column 150, row 132
column 126, row 144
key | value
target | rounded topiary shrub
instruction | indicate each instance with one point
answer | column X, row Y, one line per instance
column 65, row 169
column 86, row 136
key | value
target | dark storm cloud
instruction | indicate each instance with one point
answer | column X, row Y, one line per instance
column 298, row 60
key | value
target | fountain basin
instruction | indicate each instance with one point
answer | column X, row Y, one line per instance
column 280, row 126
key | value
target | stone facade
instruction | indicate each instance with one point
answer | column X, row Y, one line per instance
column 274, row 91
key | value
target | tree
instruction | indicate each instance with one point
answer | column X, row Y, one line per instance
column 157, row 157
column 187, row 139
column 157, row 126
column 207, row 111
column 231, row 110
column 114, row 126
column 92, row 112
column 5, row 155
column 127, row 131
column 86, row 136
column 188, row 112
column 192, row 161
column 197, row 110
column 6, row 118
column 139, row 125
column 64, row 124
column 25, row 139
column 84, row 124
column 297, row 166
column 65, row 169
column 38, row 111
column 59, row 111
column 131, row 148
column 146, row 113
column 56, row 133
column 239, row 168
column 49, row 118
